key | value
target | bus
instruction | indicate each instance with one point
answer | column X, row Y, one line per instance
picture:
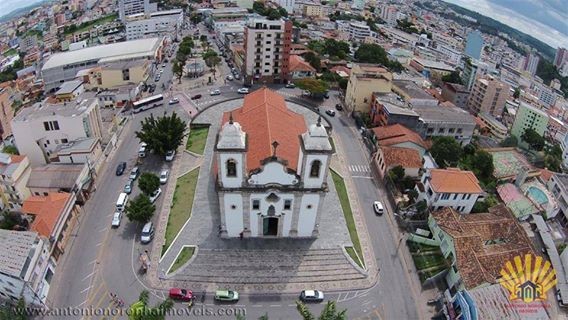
column 148, row 103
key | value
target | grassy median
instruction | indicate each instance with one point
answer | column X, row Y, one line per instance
column 181, row 208
column 344, row 200
column 184, row 255
column 197, row 138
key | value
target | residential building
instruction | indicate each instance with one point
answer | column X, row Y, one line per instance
column 561, row 57
column 54, row 217
column 41, row 128
column 156, row 24
column 399, row 136
column 474, row 44
column 387, row 111
column 356, row 31
column 387, row 158
column 287, row 4
column 456, row 94
column 558, row 185
column 272, row 170
column 431, row 68
column 300, row 69
column 7, row 98
column 531, row 63
column 70, row 90
column 364, row 80
column 87, row 150
column 63, row 66
column 25, row 268
column 15, row 171
column 116, row 74
column 129, row 7
column 414, row 95
column 445, row 121
column 495, row 128
column 478, row 245
column 452, row 187
column 528, row 117
column 389, row 14
column 62, row 177
column 488, row 95
column 315, row 10
column 267, row 50
column 472, row 70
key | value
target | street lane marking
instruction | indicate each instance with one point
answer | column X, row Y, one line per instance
column 87, row 288
column 99, row 244
column 88, row 276
column 361, row 177
column 275, row 305
column 257, row 306
column 103, row 229
column 93, row 261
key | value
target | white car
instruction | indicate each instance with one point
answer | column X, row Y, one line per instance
column 378, row 207
column 116, row 219
column 230, row 78
column 154, row 196
column 173, row 101
column 243, row 90
column 164, row 176
column 215, row 92
column 311, row 296
column 170, row 155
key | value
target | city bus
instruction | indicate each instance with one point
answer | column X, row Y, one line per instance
column 148, row 103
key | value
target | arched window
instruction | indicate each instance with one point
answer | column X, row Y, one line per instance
column 231, row 168
column 315, row 169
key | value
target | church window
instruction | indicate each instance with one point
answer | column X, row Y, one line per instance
column 315, row 169
column 287, row 204
column 255, row 204
column 231, row 168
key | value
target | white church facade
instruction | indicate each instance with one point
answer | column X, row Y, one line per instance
column 271, row 170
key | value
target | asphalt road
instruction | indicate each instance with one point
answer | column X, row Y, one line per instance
column 101, row 260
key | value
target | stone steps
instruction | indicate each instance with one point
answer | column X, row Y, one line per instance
column 270, row 280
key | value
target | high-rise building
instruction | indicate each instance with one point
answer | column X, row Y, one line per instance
column 488, row 95
column 474, row 44
column 561, row 57
column 389, row 14
column 267, row 50
column 529, row 117
column 531, row 63
column 287, row 4
column 130, row 7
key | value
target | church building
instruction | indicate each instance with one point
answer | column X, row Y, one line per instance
column 271, row 170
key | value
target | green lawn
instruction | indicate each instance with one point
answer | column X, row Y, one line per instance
column 10, row 52
column 197, row 139
column 344, row 199
column 354, row 256
column 88, row 25
column 181, row 205
column 185, row 254
column 429, row 260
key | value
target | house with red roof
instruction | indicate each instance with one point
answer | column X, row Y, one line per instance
column 271, row 169
column 300, row 69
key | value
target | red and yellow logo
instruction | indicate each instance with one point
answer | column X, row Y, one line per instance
column 528, row 280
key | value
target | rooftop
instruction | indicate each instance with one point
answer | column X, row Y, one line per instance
column 265, row 118
column 15, row 248
column 431, row 64
column 412, row 89
column 405, row 157
column 55, row 176
column 136, row 48
column 9, row 163
column 483, row 242
column 456, row 87
column 297, row 63
column 397, row 133
column 81, row 145
column 68, row 87
column 66, row 109
column 46, row 210
column 508, row 162
column 444, row 114
column 454, row 180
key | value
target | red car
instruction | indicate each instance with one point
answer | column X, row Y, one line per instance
column 195, row 97
column 181, row 294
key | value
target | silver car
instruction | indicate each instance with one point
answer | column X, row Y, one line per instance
column 116, row 219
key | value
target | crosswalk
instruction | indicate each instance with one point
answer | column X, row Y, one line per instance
column 360, row 168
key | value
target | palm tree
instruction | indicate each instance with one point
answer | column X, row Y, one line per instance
column 328, row 313
column 139, row 310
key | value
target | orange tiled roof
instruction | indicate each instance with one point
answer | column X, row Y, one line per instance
column 299, row 64
column 454, row 180
column 546, row 174
column 405, row 157
column 265, row 118
column 46, row 210
column 17, row 158
column 397, row 133
column 483, row 242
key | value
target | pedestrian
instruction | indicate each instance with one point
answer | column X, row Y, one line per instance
column 241, row 235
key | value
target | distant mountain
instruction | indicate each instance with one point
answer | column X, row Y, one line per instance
column 22, row 11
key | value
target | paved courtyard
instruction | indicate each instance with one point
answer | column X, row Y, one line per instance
column 259, row 265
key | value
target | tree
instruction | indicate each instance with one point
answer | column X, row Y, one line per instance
column 453, row 77
column 314, row 86
column 140, row 310
column 343, row 82
column 162, row 134
column 371, row 53
column 10, row 312
column 195, row 18
column 148, row 183
column 510, row 141
column 10, row 149
column 446, row 151
column 13, row 221
column 140, row 209
column 177, row 69
column 185, row 46
column 517, row 93
column 533, row 139
column 329, row 312
column 212, row 60
column 397, row 174
column 313, row 60
column 483, row 164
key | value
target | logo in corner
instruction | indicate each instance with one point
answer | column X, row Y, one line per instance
column 528, row 280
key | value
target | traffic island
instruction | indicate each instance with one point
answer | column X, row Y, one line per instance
column 197, row 138
column 183, row 257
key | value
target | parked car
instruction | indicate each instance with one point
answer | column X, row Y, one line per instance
column 243, row 90
column 215, row 92
column 226, row 295
column 330, row 112
column 116, row 219
column 154, row 196
column 120, row 168
column 134, row 173
column 229, row 77
column 378, row 207
column 128, row 186
column 311, row 296
column 338, row 107
column 173, row 101
column 147, row 233
column 170, row 155
column 290, row 85
column 237, row 76
column 163, row 65
column 164, row 176
column 195, row 97
column 181, row 294
column 326, row 95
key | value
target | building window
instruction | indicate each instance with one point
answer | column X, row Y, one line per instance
column 255, row 204
column 287, row 204
column 231, row 168
column 51, row 125
column 445, row 196
column 455, row 196
column 315, row 169
column 64, row 140
column 468, row 196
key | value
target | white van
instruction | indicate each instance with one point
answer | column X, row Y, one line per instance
column 142, row 150
column 122, row 201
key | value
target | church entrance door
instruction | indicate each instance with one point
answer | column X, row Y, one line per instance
column 270, row 226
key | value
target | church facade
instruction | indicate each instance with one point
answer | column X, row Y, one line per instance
column 271, row 170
